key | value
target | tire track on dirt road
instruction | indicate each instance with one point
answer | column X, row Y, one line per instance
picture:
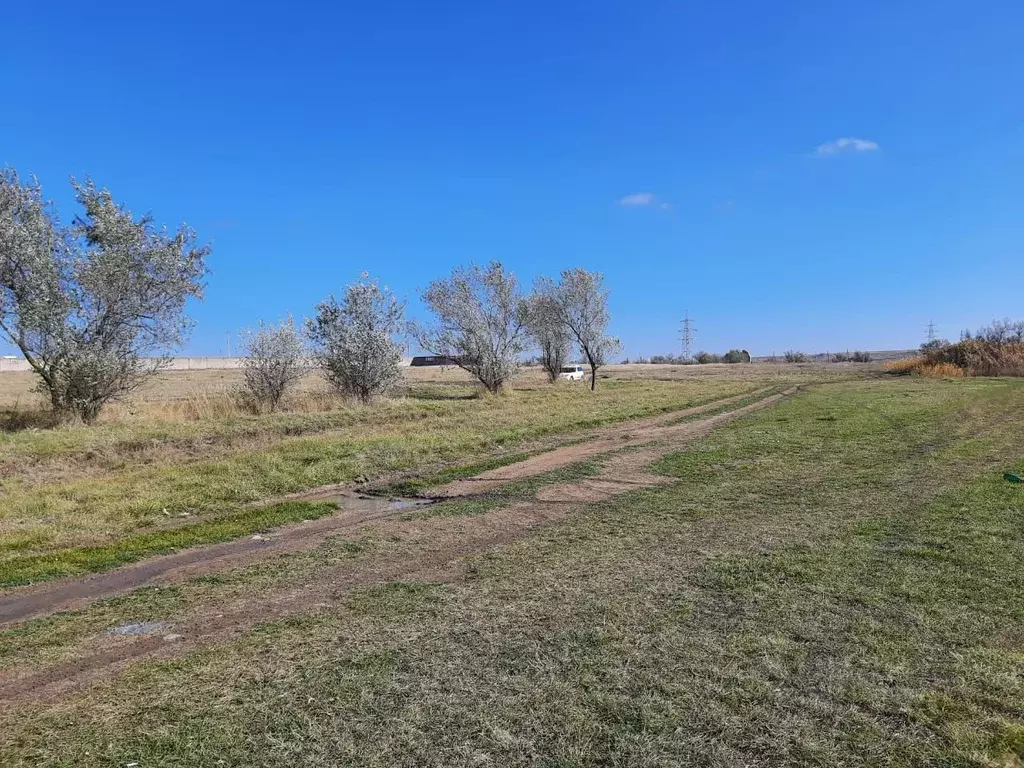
column 355, row 510
column 441, row 546
column 628, row 435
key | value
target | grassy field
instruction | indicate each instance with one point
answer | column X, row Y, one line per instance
column 148, row 469
column 833, row 580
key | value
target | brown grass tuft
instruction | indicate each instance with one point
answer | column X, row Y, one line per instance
column 943, row 371
column 921, row 366
column 904, row 367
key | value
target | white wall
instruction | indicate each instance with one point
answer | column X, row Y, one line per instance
column 177, row 363
column 204, row 363
column 13, row 364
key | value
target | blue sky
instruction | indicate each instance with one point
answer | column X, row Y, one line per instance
column 798, row 175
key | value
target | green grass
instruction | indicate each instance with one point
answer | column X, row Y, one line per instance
column 53, row 638
column 74, row 501
column 832, row 581
column 82, row 560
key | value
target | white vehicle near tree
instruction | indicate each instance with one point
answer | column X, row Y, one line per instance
column 571, row 373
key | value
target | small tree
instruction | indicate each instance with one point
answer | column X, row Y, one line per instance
column 582, row 304
column 793, row 356
column 933, row 345
column 861, row 357
column 275, row 360
column 550, row 335
column 481, row 322
column 736, row 356
column 355, row 340
column 1000, row 332
column 94, row 307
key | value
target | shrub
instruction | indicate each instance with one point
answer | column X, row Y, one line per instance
column 840, row 357
column 970, row 357
column 736, row 356
column 355, row 339
column 1000, row 332
column 550, row 334
column 982, row 358
column 480, row 322
column 580, row 300
column 792, row 356
column 931, row 346
column 275, row 360
column 861, row 357
column 703, row 358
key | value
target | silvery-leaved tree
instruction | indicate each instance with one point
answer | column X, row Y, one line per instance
column 581, row 302
column 96, row 306
column 275, row 360
column 480, row 322
column 549, row 333
column 356, row 340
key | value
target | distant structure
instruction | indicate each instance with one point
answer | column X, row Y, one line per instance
column 930, row 333
column 425, row 360
column 686, row 334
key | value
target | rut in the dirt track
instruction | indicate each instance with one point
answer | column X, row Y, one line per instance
column 355, row 511
column 441, row 543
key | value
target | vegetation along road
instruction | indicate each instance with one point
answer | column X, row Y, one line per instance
column 773, row 569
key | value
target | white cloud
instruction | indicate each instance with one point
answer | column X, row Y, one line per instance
column 640, row 198
column 845, row 145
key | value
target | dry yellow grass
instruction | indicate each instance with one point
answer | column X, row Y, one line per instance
column 944, row 371
column 970, row 357
column 921, row 366
column 204, row 394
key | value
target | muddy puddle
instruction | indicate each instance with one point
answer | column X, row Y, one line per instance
column 352, row 501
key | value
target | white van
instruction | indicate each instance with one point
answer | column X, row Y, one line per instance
column 572, row 373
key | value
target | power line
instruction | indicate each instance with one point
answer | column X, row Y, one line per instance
column 686, row 335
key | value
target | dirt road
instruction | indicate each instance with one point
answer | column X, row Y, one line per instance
column 440, row 545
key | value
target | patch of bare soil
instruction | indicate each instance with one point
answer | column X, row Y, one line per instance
column 439, row 547
column 620, row 474
column 629, row 435
column 66, row 594
column 442, row 544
